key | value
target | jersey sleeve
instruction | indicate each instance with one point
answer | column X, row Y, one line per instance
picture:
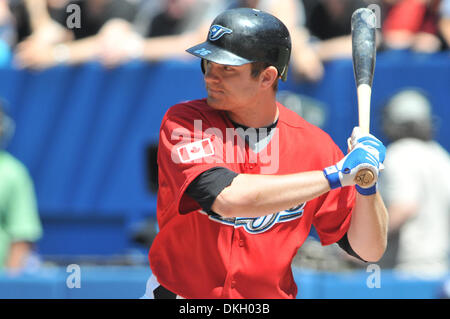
column 184, row 152
column 208, row 185
column 332, row 218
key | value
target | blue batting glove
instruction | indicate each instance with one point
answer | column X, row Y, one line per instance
column 366, row 152
column 370, row 141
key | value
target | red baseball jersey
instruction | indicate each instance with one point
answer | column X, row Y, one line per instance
column 197, row 255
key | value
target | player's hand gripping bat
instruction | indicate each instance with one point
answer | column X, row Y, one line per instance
column 363, row 24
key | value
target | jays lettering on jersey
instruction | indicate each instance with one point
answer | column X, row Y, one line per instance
column 199, row 255
column 256, row 225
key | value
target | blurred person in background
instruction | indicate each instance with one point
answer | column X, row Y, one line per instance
column 60, row 31
column 412, row 24
column 20, row 225
column 175, row 17
column 328, row 22
column 416, row 187
column 164, row 30
column 305, row 62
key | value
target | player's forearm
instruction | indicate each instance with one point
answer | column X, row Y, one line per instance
column 18, row 252
column 339, row 47
column 367, row 234
column 166, row 47
column 75, row 52
column 38, row 13
column 258, row 195
column 444, row 28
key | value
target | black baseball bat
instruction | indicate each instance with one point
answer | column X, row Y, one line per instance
column 363, row 24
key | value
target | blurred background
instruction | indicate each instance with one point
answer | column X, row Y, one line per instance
column 85, row 84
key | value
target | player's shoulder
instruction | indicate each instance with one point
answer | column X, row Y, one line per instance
column 190, row 108
column 11, row 167
column 193, row 110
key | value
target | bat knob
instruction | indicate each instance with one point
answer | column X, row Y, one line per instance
column 364, row 177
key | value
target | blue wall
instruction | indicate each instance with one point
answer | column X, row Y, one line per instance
column 82, row 132
column 129, row 283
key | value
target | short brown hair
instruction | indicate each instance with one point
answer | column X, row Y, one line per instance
column 258, row 67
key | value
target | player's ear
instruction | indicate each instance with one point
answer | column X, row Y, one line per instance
column 268, row 77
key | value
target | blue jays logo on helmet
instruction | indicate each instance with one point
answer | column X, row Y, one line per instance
column 217, row 31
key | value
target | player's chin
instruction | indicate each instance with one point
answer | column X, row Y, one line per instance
column 215, row 102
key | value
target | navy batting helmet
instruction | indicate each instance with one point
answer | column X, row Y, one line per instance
column 244, row 35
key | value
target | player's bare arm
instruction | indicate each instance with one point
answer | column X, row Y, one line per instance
column 367, row 233
column 257, row 195
column 251, row 195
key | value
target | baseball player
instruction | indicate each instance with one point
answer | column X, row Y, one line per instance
column 242, row 179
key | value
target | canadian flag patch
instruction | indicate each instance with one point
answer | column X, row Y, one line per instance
column 195, row 150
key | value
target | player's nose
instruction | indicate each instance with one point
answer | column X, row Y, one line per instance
column 211, row 72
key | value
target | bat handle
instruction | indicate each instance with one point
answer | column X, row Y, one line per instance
column 365, row 176
column 364, row 94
